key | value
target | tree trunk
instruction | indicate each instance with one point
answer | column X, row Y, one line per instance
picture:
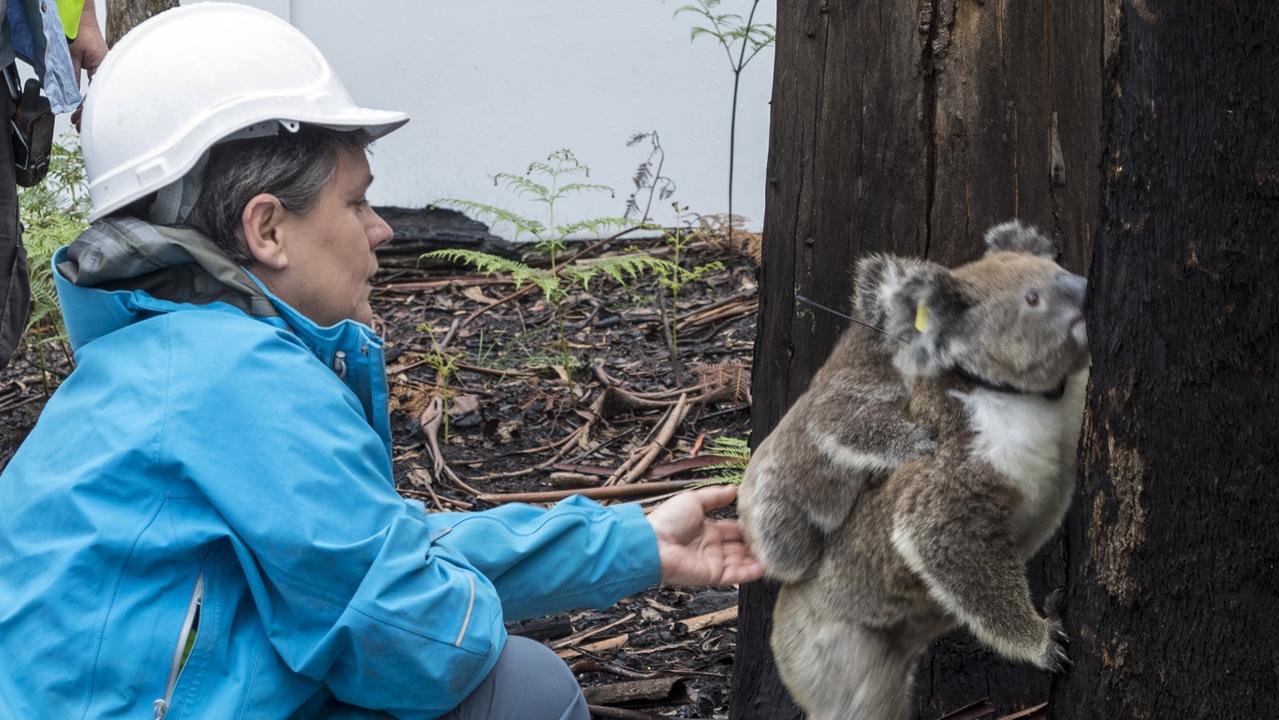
column 122, row 15
column 910, row 127
column 1173, row 588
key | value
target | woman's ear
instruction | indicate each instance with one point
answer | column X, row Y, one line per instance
column 260, row 225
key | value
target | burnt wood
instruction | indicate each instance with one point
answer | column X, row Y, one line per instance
column 1172, row 575
column 421, row 230
column 911, row 127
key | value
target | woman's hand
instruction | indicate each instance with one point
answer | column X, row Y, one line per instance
column 696, row 550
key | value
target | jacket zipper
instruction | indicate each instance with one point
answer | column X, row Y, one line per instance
column 466, row 621
column 160, row 707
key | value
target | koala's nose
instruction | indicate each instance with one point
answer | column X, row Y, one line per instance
column 1076, row 286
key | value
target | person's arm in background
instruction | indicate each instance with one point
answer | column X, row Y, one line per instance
column 89, row 47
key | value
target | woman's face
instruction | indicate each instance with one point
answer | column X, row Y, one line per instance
column 329, row 249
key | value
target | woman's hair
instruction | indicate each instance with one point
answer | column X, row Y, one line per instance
column 292, row 166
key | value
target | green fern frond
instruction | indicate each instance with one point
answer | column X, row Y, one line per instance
column 621, row 269
column 730, row 472
column 594, row 226
column 523, row 185
column 485, row 263
column 729, row 446
column 726, row 479
column 579, row 188
column 488, row 264
column 521, row 224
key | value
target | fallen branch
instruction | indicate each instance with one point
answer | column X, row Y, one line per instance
column 674, row 417
column 580, row 636
column 608, row 644
column 431, row 420
column 613, row 492
column 459, row 281
column 591, row 665
column 711, row 619
column 702, row 317
column 649, row 689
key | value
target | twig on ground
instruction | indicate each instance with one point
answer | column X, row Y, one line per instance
column 431, row 420
column 630, row 471
column 591, row 665
column 613, row 492
column 702, row 317
column 458, row 281
column 576, row 638
column 600, row 645
column 711, row 619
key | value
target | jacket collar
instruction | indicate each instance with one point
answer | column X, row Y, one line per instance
column 122, row 270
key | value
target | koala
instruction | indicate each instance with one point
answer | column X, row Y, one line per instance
column 957, row 470
column 848, row 431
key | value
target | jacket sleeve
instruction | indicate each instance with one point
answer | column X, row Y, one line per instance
column 578, row 554
column 343, row 573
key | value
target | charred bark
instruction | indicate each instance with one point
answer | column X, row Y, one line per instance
column 1172, row 572
column 910, row 127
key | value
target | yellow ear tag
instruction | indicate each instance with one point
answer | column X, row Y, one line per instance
column 921, row 318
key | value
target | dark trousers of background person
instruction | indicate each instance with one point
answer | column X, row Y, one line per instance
column 15, row 288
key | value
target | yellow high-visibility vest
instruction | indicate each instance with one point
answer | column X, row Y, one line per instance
column 69, row 12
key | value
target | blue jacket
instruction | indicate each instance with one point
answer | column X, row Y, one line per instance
column 205, row 454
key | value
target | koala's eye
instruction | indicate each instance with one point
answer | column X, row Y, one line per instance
column 1032, row 298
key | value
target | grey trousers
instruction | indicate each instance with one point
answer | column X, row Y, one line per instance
column 529, row 682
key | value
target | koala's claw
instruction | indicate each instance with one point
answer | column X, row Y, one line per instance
column 1055, row 603
column 1058, row 661
column 1055, row 658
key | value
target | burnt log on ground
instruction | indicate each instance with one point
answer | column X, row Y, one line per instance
column 421, row 230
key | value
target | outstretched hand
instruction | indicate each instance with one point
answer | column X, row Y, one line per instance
column 696, row 550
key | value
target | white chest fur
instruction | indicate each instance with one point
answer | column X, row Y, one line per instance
column 1031, row 441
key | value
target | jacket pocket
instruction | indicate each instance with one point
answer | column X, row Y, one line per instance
column 182, row 649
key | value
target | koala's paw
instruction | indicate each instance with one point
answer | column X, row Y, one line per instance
column 1054, row 658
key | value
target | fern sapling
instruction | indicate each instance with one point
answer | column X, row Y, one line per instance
column 547, row 183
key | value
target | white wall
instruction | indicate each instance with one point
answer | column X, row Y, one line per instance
column 494, row 85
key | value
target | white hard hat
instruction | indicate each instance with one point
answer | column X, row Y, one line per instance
column 194, row 76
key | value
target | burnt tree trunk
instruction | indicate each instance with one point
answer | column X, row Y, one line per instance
column 1173, row 587
column 910, row 127
column 122, row 15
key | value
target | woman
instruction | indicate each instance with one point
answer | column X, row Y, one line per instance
column 203, row 523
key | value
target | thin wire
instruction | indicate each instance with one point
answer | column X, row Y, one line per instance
column 833, row 311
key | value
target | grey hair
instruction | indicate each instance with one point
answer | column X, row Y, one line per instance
column 294, row 167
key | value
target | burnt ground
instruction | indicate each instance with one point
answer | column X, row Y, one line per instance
column 522, row 416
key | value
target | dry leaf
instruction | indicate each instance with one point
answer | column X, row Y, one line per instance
column 473, row 292
column 419, row 477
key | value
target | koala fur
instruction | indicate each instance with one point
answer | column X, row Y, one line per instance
column 904, row 492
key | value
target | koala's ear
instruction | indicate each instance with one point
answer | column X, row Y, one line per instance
column 928, row 313
column 1012, row 236
column 880, row 279
column 891, row 289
